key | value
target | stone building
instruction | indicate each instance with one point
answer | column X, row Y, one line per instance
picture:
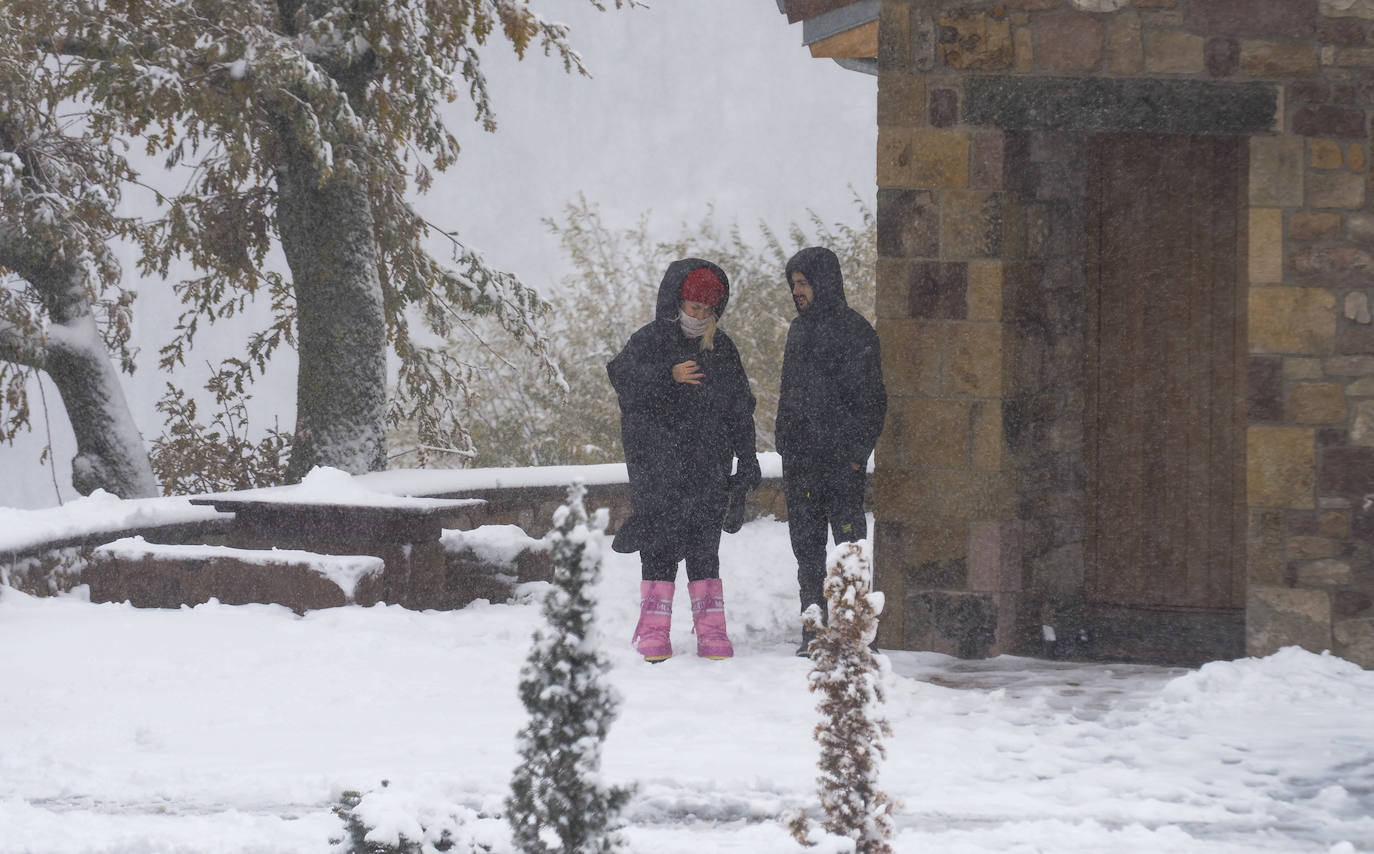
column 1126, row 255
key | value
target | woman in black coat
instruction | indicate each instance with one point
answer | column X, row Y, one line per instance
column 685, row 412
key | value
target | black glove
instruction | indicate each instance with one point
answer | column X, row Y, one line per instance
column 748, row 475
column 734, row 509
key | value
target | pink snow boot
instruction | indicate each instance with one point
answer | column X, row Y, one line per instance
column 655, row 619
column 708, row 618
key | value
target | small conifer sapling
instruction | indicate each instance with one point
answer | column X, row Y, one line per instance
column 558, row 802
column 850, row 678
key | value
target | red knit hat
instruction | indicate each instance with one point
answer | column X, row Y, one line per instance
column 701, row 285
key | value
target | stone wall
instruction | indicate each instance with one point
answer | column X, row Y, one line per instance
column 162, row 576
column 982, row 107
column 531, row 508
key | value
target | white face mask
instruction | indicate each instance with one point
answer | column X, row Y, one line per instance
column 692, row 327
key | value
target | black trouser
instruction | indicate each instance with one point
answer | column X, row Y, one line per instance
column 816, row 499
column 700, row 544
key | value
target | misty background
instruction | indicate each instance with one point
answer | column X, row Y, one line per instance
column 693, row 107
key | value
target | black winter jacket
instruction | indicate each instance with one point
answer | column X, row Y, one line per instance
column 832, row 401
column 680, row 439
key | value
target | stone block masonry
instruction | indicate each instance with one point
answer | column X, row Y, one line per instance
column 988, row 117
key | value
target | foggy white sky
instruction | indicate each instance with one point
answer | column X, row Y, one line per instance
column 692, row 103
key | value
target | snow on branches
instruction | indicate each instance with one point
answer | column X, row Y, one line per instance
column 849, row 676
column 63, row 309
column 307, row 125
column 558, row 802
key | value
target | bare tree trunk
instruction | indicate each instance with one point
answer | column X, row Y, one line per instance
column 110, row 453
column 327, row 236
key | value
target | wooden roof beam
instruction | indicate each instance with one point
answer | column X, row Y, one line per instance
column 843, row 30
column 800, row 10
column 850, row 16
column 859, row 43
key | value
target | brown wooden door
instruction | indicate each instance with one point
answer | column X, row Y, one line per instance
column 1165, row 348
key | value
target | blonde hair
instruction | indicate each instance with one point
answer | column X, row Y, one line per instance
column 708, row 338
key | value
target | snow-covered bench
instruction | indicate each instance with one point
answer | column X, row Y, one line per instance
column 154, row 575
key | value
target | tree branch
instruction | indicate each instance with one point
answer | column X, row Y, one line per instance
column 45, row 265
column 21, row 349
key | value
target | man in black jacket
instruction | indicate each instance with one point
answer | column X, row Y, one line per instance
column 830, row 412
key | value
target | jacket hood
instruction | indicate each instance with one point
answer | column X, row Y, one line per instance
column 671, row 286
column 822, row 270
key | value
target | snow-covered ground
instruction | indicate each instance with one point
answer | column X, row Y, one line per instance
column 235, row 729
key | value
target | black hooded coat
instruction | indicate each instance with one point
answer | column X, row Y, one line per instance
column 680, row 439
column 832, row 401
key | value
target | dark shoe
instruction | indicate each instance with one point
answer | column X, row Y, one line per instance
column 804, row 651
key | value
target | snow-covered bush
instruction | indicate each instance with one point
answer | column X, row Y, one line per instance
column 558, row 802
column 390, row 820
column 191, row 457
column 47, row 574
column 850, row 678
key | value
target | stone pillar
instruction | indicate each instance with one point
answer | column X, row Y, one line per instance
column 942, row 498
column 1310, row 445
